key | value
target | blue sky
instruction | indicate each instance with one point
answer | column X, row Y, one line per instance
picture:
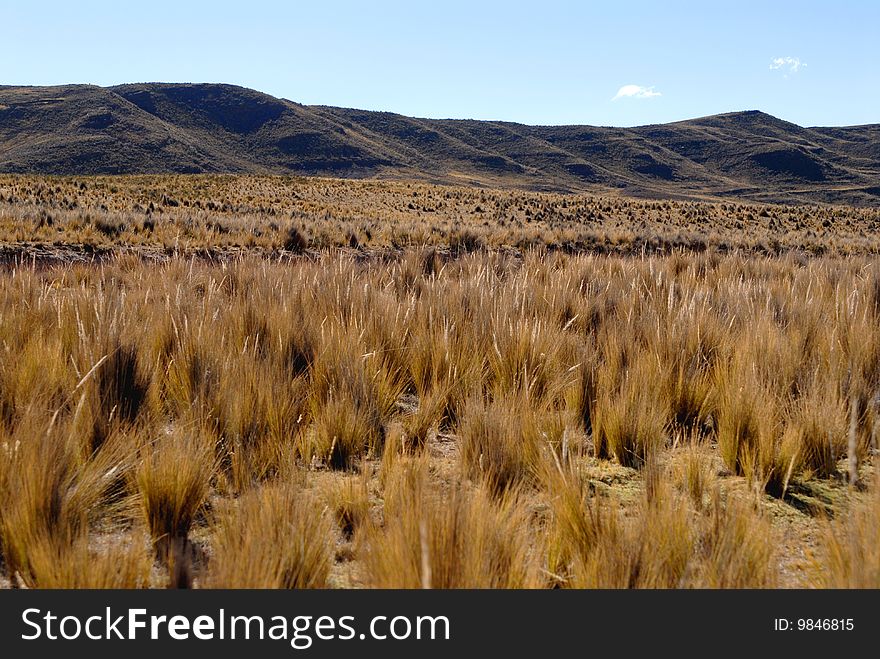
column 548, row 62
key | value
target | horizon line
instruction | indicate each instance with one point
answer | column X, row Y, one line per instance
column 439, row 118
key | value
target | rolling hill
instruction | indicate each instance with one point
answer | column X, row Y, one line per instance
column 190, row 128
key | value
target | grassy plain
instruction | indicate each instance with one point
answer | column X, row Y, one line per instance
column 264, row 382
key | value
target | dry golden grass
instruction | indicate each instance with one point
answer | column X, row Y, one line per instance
column 172, row 480
column 455, row 539
column 661, row 541
column 850, row 554
column 229, row 214
column 274, row 537
column 421, row 417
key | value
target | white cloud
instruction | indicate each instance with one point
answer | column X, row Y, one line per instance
column 790, row 64
column 635, row 91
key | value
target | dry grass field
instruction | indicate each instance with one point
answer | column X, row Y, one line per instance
column 293, row 383
column 79, row 217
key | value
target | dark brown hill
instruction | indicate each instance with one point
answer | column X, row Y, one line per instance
column 183, row 128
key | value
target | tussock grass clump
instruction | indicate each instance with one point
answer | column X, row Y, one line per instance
column 736, row 547
column 114, row 393
column 849, row 555
column 50, row 494
column 295, row 240
column 351, row 401
column 121, row 383
column 630, row 418
column 593, row 546
column 190, row 379
column 525, row 358
column 454, row 540
column 343, row 433
column 173, row 481
column 126, row 564
column 667, row 544
column 581, row 395
column 694, row 474
column 425, row 419
column 690, row 393
column 447, row 360
column 502, row 441
column 350, row 503
column 749, row 426
column 274, row 537
column 259, row 423
column 817, row 431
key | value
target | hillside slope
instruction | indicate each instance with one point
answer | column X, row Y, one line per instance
column 187, row 128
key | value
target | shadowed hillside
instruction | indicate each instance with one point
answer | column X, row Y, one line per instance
column 188, row 128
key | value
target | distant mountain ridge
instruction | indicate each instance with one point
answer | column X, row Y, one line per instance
column 191, row 128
